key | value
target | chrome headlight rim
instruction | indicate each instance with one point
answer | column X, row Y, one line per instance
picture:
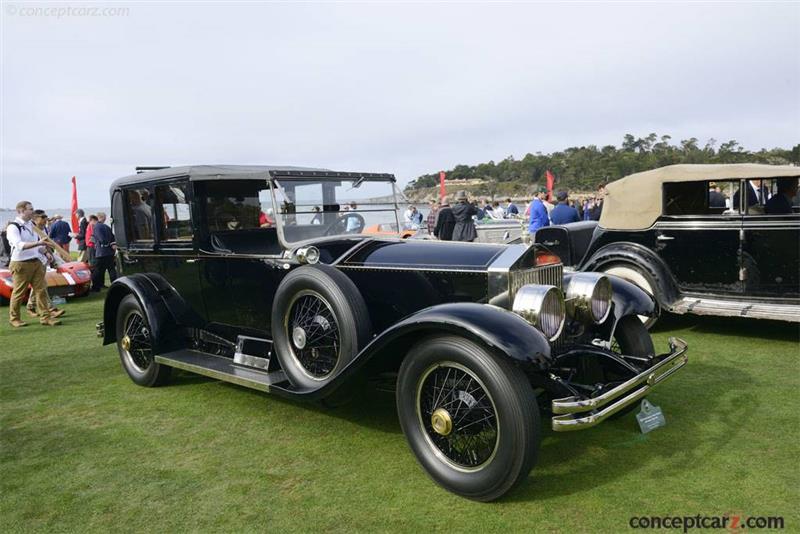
column 589, row 297
column 542, row 306
column 307, row 255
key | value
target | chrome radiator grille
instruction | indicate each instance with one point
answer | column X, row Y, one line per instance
column 550, row 275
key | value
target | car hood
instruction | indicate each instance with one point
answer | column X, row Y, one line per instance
column 425, row 255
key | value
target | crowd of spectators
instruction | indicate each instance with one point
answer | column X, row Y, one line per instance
column 446, row 222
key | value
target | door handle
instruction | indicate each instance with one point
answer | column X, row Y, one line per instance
column 191, row 260
column 664, row 238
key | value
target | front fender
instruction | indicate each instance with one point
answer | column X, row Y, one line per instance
column 495, row 327
column 501, row 331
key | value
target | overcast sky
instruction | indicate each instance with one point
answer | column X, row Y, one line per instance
column 408, row 88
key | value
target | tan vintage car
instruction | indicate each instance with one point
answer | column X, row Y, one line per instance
column 687, row 235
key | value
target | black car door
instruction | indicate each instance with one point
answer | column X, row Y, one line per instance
column 239, row 260
column 176, row 247
column 138, row 253
column 771, row 249
column 700, row 243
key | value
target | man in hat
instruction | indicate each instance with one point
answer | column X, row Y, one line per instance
column 563, row 213
column 445, row 222
column 26, row 267
column 538, row 211
column 463, row 212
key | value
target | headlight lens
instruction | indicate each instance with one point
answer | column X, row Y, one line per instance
column 309, row 255
column 543, row 307
column 589, row 297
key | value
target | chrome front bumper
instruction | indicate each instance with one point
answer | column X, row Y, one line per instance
column 572, row 413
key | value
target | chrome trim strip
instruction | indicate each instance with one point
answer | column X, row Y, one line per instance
column 737, row 308
column 416, row 268
column 725, row 225
column 615, row 399
column 697, row 225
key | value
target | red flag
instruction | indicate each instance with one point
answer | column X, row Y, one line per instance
column 74, row 206
column 550, row 180
column 442, row 191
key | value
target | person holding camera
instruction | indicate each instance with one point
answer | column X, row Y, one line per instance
column 27, row 268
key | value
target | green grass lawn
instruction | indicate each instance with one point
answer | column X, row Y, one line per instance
column 84, row 449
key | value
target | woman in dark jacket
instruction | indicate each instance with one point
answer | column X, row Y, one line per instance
column 463, row 212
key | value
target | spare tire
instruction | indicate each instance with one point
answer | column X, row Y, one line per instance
column 319, row 323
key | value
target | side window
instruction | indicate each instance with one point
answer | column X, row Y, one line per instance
column 772, row 196
column 701, row 198
column 232, row 206
column 139, row 215
column 175, row 212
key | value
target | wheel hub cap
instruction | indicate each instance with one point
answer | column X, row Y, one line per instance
column 126, row 343
column 299, row 338
column 441, row 421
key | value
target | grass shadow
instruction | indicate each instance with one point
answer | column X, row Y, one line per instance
column 565, row 459
column 730, row 326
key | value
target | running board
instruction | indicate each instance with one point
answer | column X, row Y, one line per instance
column 220, row 368
column 733, row 308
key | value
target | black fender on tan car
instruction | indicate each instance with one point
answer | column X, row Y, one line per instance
column 639, row 259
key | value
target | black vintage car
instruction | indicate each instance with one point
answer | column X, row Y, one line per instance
column 264, row 277
column 687, row 235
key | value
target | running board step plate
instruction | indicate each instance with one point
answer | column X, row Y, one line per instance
column 220, row 368
column 733, row 308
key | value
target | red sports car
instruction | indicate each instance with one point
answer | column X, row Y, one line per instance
column 72, row 279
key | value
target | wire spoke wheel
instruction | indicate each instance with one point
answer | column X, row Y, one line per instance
column 137, row 345
column 457, row 415
column 314, row 332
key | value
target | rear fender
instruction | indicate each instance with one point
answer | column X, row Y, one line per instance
column 166, row 310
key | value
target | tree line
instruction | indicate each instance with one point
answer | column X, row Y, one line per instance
column 583, row 168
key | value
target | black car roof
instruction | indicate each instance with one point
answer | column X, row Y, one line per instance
column 210, row 172
column 241, row 172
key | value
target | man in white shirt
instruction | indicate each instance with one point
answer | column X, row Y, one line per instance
column 26, row 267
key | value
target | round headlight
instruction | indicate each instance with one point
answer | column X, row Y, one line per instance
column 543, row 307
column 308, row 255
column 589, row 297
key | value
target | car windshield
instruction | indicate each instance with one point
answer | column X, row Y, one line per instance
column 318, row 207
